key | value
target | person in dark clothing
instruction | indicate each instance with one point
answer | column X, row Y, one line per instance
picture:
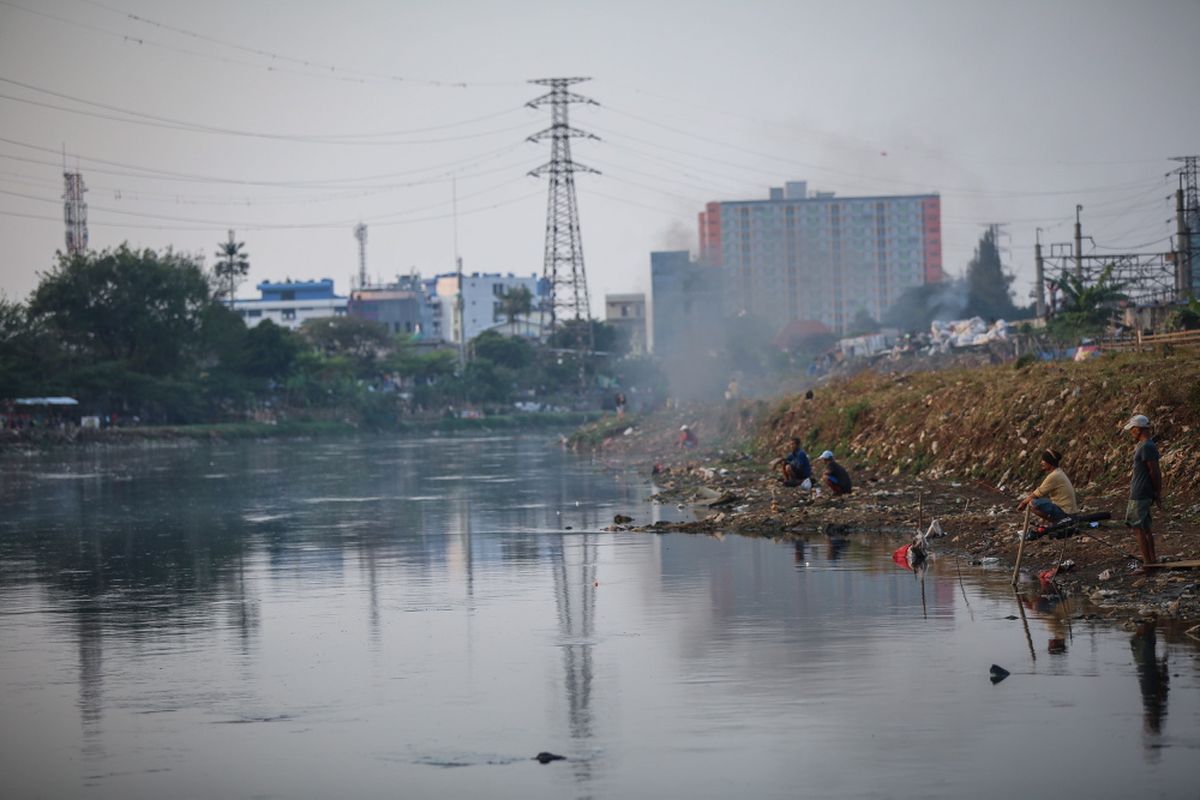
column 837, row 480
column 1145, row 487
column 795, row 466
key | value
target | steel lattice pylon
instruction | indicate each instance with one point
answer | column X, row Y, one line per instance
column 563, row 265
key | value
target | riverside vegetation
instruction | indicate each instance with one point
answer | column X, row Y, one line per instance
column 960, row 445
column 149, row 336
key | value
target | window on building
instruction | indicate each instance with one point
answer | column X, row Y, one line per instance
column 288, row 314
column 287, row 294
column 254, row 312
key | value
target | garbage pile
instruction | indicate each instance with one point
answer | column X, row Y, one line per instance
column 967, row 332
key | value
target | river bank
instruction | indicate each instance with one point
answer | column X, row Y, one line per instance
column 958, row 446
column 285, row 429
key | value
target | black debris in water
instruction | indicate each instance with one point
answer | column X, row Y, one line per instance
column 998, row 673
column 621, row 519
column 546, row 757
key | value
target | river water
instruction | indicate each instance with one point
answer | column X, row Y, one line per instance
column 419, row 617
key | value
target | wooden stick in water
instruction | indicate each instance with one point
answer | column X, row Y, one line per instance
column 920, row 510
column 1021, row 546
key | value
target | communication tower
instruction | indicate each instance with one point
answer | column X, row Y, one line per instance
column 360, row 233
column 75, row 212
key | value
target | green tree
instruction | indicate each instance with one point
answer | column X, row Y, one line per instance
column 988, row 286
column 29, row 356
column 363, row 341
column 269, row 351
column 142, row 309
column 1087, row 308
column 233, row 262
column 505, row 351
column 516, row 302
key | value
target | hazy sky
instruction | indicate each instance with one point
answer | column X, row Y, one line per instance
column 292, row 121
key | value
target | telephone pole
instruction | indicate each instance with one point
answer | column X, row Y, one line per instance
column 562, row 267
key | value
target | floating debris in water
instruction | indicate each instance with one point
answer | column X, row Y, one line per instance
column 998, row 673
column 546, row 757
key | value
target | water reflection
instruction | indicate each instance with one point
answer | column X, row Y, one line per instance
column 372, row 619
column 1154, row 679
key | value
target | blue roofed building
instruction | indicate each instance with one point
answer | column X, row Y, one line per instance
column 289, row 303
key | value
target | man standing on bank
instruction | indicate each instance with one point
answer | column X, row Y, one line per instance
column 1145, row 487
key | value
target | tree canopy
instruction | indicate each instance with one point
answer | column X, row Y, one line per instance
column 988, row 286
column 138, row 308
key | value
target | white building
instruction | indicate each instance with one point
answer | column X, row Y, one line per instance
column 290, row 303
column 482, row 295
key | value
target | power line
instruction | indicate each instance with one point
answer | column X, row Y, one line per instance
column 323, row 71
column 377, row 220
column 161, row 174
column 307, row 63
column 194, row 128
column 326, row 138
column 818, row 168
column 838, row 138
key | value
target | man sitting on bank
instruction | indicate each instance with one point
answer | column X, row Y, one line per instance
column 837, row 480
column 1054, row 499
column 795, row 466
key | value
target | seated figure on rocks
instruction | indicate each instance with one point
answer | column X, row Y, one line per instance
column 1054, row 499
column 795, row 466
column 837, row 480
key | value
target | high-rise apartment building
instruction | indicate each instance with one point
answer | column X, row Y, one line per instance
column 823, row 257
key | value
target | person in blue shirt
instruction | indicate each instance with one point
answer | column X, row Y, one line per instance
column 1145, row 487
column 837, row 480
column 795, row 466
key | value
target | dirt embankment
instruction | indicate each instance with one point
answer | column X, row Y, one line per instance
column 960, row 445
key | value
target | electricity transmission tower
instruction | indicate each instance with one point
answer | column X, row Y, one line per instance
column 563, row 265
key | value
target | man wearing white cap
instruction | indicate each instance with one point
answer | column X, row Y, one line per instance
column 837, row 480
column 1145, row 486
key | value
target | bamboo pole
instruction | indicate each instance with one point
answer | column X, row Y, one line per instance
column 920, row 510
column 1021, row 546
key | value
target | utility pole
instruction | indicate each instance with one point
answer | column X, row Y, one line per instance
column 563, row 268
column 360, row 233
column 1078, row 244
column 459, row 305
column 1039, row 277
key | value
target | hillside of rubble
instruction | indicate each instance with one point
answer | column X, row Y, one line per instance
column 989, row 424
column 960, row 445
column 984, row 424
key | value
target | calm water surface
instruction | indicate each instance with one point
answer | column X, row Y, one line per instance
column 419, row 617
